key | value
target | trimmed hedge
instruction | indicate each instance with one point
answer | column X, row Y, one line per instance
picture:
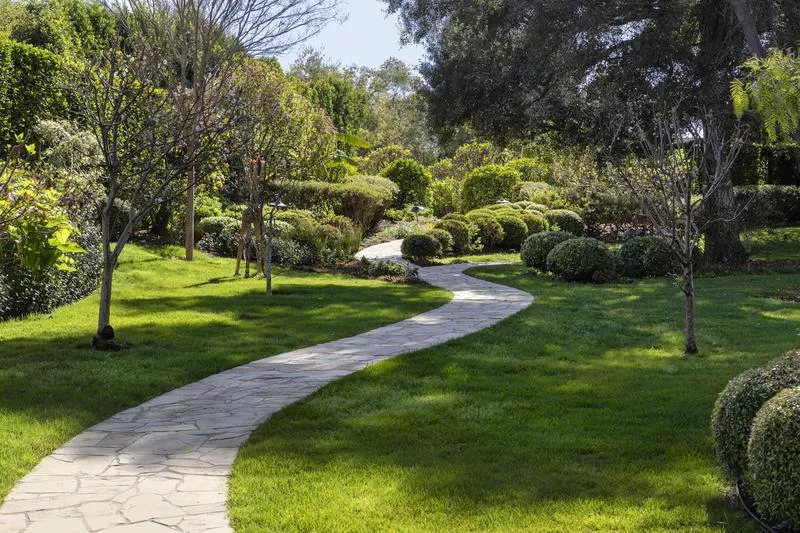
column 582, row 259
column 774, row 459
column 420, row 247
column 768, row 205
column 489, row 232
column 219, row 235
column 645, row 257
column 566, row 220
column 362, row 199
column 737, row 405
column 411, row 178
column 458, row 230
column 514, row 230
column 444, row 238
column 536, row 247
column 485, row 185
column 536, row 223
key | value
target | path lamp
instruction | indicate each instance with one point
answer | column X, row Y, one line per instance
column 502, row 201
column 274, row 204
column 416, row 209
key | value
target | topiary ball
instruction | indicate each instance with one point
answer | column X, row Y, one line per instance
column 420, row 247
column 645, row 257
column 444, row 238
column 582, row 259
column 737, row 405
column 774, row 459
column 536, row 222
column 566, row 220
column 458, row 230
column 514, row 229
column 537, row 246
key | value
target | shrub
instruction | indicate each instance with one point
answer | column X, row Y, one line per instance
column 737, row 405
column 581, row 259
column 23, row 293
column 514, row 230
column 566, row 220
column 362, row 199
column 213, row 225
column 768, row 205
column 420, row 247
column 458, row 230
column 412, row 179
column 444, row 197
column 485, row 185
column 220, row 236
column 645, row 257
column 443, row 237
column 535, row 222
column 531, row 169
column 774, row 459
column 387, row 269
column 530, row 206
column 606, row 211
column 456, row 216
column 542, row 193
column 488, row 231
column 378, row 159
column 537, row 246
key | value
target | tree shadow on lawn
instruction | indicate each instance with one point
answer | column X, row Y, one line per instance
column 581, row 401
column 54, row 385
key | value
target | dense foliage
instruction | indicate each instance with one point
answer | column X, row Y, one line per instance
column 538, row 246
column 488, row 184
column 581, row 259
column 645, row 257
column 420, row 248
column 411, row 178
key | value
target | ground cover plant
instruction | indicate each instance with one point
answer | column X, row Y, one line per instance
column 580, row 413
column 182, row 322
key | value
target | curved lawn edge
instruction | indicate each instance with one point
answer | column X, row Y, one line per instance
column 165, row 463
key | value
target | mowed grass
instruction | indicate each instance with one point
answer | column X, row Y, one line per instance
column 774, row 244
column 183, row 321
column 578, row 414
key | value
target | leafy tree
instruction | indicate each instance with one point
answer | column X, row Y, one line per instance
column 525, row 67
column 412, row 179
column 282, row 137
column 65, row 27
column 774, row 93
column 377, row 160
column 397, row 112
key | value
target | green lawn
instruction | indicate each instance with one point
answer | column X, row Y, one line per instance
column 481, row 258
column 578, row 414
column 779, row 244
column 183, row 321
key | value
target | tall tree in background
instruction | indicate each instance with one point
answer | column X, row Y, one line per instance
column 209, row 39
column 514, row 68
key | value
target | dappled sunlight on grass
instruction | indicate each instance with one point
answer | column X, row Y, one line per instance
column 179, row 329
column 580, row 413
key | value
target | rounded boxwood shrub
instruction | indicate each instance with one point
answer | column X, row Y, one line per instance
column 444, row 238
column 488, row 232
column 458, row 230
column 456, row 216
column 213, row 225
column 645, row 257
column 514, row 231
column 412, row 179
column 487, row 184
column 538, row 245
column 536, row 223
column 566, row 220
column 581, row 259
column 420, row 247
column 737, row 405
column 774, row 459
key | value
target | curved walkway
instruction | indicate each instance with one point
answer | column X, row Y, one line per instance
column 163, row 466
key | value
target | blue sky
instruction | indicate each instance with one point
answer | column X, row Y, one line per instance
column 368, row 38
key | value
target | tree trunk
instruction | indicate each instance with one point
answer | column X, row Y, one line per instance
column 722, row 237
column 747, row 24
column 109, row 262
column 691, row 343
column 268, row 252
column 190, row 214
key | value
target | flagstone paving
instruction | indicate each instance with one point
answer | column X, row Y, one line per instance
column 163, row 466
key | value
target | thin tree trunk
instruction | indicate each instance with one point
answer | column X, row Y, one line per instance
column 109, row 262
column 268, row 252
column 190, row 214
column 691, row 343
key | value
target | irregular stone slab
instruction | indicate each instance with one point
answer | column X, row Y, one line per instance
column 163, row 466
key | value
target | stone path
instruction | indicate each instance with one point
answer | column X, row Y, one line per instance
column 163, row 466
